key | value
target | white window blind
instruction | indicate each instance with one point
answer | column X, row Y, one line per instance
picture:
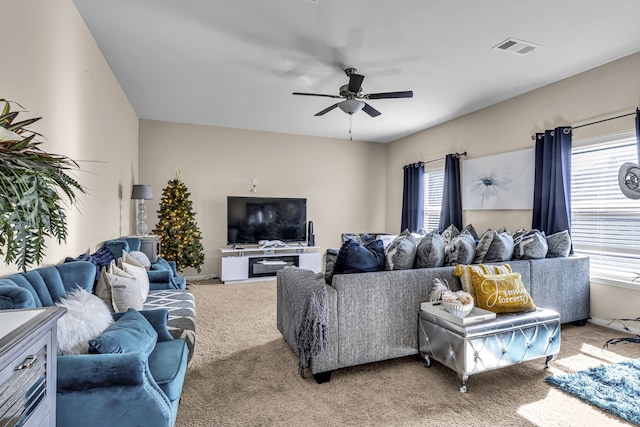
column 605, row 224
column 433, row 184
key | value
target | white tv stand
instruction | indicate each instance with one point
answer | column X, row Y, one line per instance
column 251, row 263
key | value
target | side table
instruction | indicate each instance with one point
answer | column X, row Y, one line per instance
column 509, row 339
column 28, row 363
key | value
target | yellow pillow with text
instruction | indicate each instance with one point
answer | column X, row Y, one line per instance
column 501, row 293
column 464, row 273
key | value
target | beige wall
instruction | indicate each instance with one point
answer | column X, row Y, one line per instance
column 606, row 91
column 344, row 181
column 54, row 69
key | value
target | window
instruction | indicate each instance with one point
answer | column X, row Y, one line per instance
column 605, row 224
column 433, row 184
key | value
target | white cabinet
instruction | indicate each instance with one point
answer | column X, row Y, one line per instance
column 28, row 362
column 252, row 264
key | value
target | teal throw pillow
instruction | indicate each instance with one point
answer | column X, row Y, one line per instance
column 131, row 333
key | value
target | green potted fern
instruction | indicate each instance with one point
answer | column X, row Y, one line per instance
column 35, row 188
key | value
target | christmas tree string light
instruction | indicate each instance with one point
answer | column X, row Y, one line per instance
column 181, row 237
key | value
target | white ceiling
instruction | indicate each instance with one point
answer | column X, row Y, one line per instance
column 235, row 63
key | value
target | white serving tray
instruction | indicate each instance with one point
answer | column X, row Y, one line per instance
column 477, row 315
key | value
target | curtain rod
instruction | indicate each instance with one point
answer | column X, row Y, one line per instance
column 533, row 137
column 442, row 158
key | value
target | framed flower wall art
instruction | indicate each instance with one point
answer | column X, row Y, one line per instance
column 501, row 181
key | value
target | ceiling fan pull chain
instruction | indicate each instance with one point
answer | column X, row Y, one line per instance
column 350, row 134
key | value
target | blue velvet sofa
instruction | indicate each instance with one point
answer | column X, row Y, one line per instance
column 163, row 273
column 120, row 389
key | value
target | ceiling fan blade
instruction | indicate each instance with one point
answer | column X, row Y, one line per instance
column 317, row 94
column 387, row 95
column 326, row 110
column 355, row 82
column 370, row 110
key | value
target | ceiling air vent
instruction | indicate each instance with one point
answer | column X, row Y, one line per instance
column 516, row 46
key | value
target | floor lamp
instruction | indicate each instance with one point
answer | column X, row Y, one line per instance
column 141, row 192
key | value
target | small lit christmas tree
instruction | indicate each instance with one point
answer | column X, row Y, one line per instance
column 177, row 227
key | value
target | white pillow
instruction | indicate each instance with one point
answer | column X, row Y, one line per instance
column 141, row 258
column 139, row 273
column 130, row 259
column 119, row 289
column 102, row 289
column 86, row 318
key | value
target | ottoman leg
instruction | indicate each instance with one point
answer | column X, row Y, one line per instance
column 463, row 382
column 550, row 358
column 427, row 360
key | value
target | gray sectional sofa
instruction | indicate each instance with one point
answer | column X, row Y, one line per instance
column 374, row 316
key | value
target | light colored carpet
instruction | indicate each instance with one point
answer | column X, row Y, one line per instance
column 244, row 374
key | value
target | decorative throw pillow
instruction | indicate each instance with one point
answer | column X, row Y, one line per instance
column 461, row 250
column 450, row 233
column 482, row 247
column 119, row 289
column 87, row 317
column 501, row 248
column 464, row 273
column 530, row 244
column 401, row 253
column 141, row 258
column 131, row 333
column 471, row 231
column 387, row 239
column 501, row 293
column 430, row 251
column 139, row 273
column 354, row 257
column 559, row 245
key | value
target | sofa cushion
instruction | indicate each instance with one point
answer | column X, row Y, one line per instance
column 131, row 333
column 461, row 250
column 167, row 363
column 430, row 251
column 86, row 318
column 501, row 293
column 482, row 247
column 354, row 257
column 530, row 244
column 471, row 230
column 401, row 253
column 559, row 245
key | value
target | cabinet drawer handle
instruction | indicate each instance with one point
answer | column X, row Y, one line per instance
column 28, row 362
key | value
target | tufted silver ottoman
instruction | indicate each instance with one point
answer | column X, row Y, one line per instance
column 507, row 340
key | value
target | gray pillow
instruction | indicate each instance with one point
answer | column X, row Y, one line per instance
column 401, row 253
column 559, row 245
column 471, row 231
column 483, row 246
column 530, row 244
column 501, row 248
column 430, row 251
column 461, row 250
column 450, row 233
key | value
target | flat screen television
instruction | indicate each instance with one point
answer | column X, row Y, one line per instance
column 252, row 219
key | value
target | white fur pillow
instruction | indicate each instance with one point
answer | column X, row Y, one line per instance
column 86, row 318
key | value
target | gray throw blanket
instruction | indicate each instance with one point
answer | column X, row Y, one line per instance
column 306, row 296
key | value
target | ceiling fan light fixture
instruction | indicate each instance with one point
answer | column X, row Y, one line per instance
column 351, row 106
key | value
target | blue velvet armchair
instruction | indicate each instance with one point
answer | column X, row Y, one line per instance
column 116, row 389
column 163, row 273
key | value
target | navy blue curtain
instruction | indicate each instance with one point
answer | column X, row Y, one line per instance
column 451, row 212
column 413, row 197
column 552, row 184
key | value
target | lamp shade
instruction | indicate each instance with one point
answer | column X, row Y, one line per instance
column 141, row 191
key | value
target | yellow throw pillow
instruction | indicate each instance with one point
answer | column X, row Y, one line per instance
column 464, row 273
column 501, row 293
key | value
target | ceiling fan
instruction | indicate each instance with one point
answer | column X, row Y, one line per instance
column 352, row 95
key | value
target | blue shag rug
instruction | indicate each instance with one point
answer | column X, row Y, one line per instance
column 614, row 388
